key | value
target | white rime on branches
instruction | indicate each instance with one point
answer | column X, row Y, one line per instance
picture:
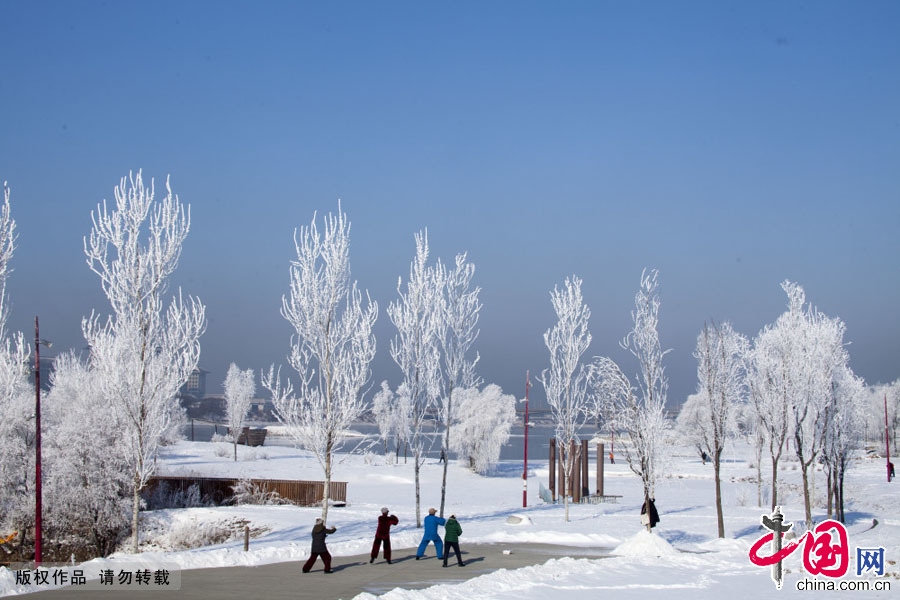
column 566, row 381
column 844, row 430
column 332, row 346
column 417, row 315
column 16, row 401
column 482, row 420
column 239, row 389
column 458, row 334
column 141, row 354
column 87, row 478
column 392, row 415
column 641, row 414
column 721, row 374
column 796, row 364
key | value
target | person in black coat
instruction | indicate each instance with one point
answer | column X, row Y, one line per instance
column 654, row 516
column 319, row 531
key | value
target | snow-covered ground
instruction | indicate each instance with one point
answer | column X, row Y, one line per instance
column 684, row 556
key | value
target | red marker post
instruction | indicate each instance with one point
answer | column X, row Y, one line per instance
column 887, row 440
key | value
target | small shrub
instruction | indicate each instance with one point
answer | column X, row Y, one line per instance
column 192, row 535
column 247, row 492
column 254, row 454
column 165, row 497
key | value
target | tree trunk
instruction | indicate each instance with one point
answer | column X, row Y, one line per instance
column 235, row 450
column 804, row 468
column 647, row 507
column 839, row 484
column 812, row 484
column 446, row 452
column 829, row 489
column 135, row 523
column 774, row 482
column 759, row 454
column 418, row 505
column 326, row 491
column 717, row 463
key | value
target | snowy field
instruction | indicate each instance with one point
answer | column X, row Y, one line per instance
column 684, row 558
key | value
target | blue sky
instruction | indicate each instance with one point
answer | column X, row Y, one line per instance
column 729, row 145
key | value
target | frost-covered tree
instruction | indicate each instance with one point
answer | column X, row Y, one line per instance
column 88, row 489
column 844, row 430
column 641, row 412
column 482, row 420
column 721, row 377
column 458, row 334
column 566, row 381
column 392, row 412
column 822, row 351
column 141, row 354
column 881, row 397
column 332, row 346
column 383, row 410
column 771, row 386
column 691, row 417
column 755, row 436
column 417, row 314
column 239, row 389
column 793, row 367
column 16, row 401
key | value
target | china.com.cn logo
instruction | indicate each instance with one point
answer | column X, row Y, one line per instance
column 826, row 550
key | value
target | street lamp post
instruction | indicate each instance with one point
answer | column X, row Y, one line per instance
column 37, row 441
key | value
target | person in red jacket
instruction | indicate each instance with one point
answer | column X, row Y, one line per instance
column 383, row 534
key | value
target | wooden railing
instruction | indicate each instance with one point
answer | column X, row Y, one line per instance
column 219, row 490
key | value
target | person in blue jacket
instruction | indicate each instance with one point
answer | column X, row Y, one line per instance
column 431, row 535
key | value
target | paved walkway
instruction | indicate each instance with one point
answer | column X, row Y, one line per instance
column 352, row 575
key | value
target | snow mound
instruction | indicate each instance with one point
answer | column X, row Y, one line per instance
column 518, row 520
column 375, row 477
column 645, row 544
column 725, row 545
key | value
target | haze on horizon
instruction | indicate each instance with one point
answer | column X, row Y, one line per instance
column 729, row 146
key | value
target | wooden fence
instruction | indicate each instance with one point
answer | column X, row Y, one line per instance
column 219, row 490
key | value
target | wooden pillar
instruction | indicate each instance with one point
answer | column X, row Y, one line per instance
column 585, row 477
column 561, row 469
column 553, row 468
column 600, row 457
column 573, row 470
column 576, row 474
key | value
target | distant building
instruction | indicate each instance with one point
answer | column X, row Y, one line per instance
column 196, row 384
column 210, row 408
column 261, row 409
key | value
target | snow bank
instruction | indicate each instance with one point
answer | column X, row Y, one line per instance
column 518, row 520
column 645, row 544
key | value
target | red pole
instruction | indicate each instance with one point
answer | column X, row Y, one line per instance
column 887, row 440
column 37, row 444
column 525, row 472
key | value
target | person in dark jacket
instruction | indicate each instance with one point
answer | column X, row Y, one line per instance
column 383, row 534
column 431, row 535
column 319, row 531
column 653, row 515
column 452, row 531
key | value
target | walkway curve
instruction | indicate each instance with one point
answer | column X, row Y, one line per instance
column 352, row 575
